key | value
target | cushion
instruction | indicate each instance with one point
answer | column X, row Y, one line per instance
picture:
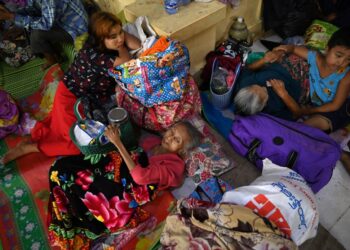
column 318, row 34
column 208, row 159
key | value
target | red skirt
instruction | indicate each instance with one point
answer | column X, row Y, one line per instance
column 52, row 133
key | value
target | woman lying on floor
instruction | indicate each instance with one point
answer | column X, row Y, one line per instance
column 89, row 200
column 323, row 85
column 326, row 94
column 107, row 46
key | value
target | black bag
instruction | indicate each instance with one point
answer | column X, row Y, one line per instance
column 289, row 17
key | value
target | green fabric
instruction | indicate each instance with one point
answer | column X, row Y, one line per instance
column 15, row 189
column 22, row 81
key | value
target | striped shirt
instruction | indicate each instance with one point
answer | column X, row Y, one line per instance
column 69, row 15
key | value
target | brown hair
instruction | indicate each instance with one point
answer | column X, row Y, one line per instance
column 101, row 24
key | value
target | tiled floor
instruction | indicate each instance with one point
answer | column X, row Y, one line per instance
column 334, row 205
column 333, row 199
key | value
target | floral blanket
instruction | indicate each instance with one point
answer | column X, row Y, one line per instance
column 203, row 225
column 24, row 191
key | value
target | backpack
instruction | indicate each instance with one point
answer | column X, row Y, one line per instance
column 307, row 150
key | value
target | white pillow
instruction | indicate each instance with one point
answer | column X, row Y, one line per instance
column 282, row 196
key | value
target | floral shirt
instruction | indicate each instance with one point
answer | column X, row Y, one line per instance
column 88, row 75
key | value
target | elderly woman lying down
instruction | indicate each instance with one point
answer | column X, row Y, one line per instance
column 88, row 200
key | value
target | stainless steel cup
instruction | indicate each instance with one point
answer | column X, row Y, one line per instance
column 117, row 116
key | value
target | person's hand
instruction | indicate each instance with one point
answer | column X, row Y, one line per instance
column 278, row 87
column 122, row 57
column 6, row 14
column 306, row 110
column 285, row 48
column 273, row 56
column 113, row 135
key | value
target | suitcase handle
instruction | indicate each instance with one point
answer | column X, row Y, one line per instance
column 251, row 154
column 292, row 158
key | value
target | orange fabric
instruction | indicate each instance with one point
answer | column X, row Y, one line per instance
column 160, row 45
column 52, row 134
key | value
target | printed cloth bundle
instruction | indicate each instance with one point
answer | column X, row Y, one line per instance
column 155, row 78
column 203, row 225
column 14, row 46
column 160, row 117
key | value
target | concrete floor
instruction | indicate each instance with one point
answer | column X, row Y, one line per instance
column 333, row 199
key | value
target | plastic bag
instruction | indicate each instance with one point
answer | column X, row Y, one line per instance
column 282, row 196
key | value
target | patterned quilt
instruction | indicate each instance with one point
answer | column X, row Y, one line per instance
column 24, row 191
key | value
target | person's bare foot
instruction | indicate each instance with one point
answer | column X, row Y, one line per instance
column 345, row 159
column 21, row 149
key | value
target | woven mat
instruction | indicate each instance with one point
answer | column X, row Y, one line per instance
column 22, row 81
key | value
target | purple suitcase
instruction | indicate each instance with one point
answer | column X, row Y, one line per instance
column 307, row 150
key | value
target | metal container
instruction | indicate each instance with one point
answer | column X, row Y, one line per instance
column 238, row 30
column 117, row 116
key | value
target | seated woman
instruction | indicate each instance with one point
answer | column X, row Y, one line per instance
column 88, row 200
column 87, row 77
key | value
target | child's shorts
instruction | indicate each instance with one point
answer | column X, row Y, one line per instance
column 340, row 118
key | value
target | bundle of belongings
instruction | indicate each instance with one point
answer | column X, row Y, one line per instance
column 14, row 46
column 156, row 88
column 277, row 210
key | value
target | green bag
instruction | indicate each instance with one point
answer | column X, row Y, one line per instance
column 98, row 145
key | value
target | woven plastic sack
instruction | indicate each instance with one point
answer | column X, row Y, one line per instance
column 282, row 196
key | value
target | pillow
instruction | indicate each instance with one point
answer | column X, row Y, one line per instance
column 282, row 196
column 208, row 159
column 318, row 34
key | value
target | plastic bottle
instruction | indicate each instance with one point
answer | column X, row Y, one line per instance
column 239, row 30
column 171, row 6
